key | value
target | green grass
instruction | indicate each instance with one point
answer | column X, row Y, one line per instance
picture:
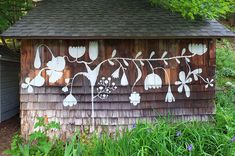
column 216, row 138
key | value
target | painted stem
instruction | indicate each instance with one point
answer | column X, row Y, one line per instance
column 92, row 108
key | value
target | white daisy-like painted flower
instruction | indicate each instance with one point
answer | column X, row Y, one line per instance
column 169, row 96
column 209, row 83
column 134, row 98
column 70, row 100
column 55, row 66
column 152, row 81
column 183, row 83
column 197, row 49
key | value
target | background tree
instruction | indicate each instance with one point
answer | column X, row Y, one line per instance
column 198, row 9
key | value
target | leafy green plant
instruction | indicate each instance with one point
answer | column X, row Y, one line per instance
column 192, row 9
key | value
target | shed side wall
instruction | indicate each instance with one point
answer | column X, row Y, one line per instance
column 116, row 109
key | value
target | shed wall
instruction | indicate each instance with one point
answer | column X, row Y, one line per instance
column 9, row 89
column 116, row 110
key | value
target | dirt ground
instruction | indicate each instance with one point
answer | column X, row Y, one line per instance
column 7, row 130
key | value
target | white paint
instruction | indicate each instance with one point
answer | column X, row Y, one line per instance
column 93, row 50
column 77, row 52
column 124, row 81
column 197, row 49
column 152, row 81
column 134, row 98
column 70, row 100
column 37, row 60
column 56, row 65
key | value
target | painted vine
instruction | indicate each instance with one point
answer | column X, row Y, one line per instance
column 54, row 70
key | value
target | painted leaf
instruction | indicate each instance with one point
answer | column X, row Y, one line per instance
column 166, row 63
column 125, row 62
column 37, row 60
column 164, row 54
column 177, row 60
column 116, row 73
column 138, row 54
column 139, row 74
column 111, row 62
column 142, row 63
column 65, row 89
column 124, row 81
column 152, row 54
column 38, row 81
column 183, row 51
column 187, row 59
column 114, row 53
column 93, row 50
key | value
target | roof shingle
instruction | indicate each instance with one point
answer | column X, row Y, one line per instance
column 109, row 19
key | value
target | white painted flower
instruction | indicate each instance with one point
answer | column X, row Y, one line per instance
column 152, row 81
column 124, row 81
column 197, row 49
column 27, row 85
column 55, row 66
column 65, row 89
column 115, row 74
column 134, row 98
column 183, row 83
column 209, row 83
column 70, row 100
column 93, row 50
column 77, row 52
column 169, row 96
column 38, row 81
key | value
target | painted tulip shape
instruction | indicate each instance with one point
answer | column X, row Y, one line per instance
column 134, row 98
column 152, row 81
column 197, row 49
column 93, row 50
column 70, row 100
column 169, row 96
column 77, row 52
column 124, row 81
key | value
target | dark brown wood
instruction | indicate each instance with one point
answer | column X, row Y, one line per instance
column 117, row 110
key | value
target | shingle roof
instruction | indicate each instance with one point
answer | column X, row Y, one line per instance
column 109, row 19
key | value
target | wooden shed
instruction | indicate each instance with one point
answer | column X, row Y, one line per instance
column 108, row 63
column 9, row 83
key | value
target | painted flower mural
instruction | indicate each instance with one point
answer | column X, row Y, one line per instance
column 152, row 81
column 135, row 98
column 54, row 70
column 183, row 83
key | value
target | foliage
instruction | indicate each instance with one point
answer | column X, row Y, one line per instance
column 161, row 138
column 11, row 11
column 39, row 142
column 225, row 63
column 192, row 9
